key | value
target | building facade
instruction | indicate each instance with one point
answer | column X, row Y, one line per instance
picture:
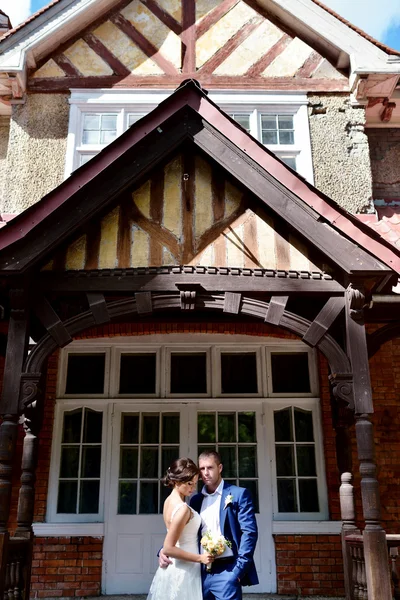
column 200, row 204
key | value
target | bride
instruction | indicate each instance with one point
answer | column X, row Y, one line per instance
column 181, row 543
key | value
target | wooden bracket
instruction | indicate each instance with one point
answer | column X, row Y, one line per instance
column 30, row 390
column 144, row 303
column 51, row 321
column 342, row 387
column 188, row 294
column 232, row 303
column 323, row 321
column 276, row 309
column 98, row 306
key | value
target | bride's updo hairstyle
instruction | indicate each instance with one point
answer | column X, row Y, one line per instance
column 180, row 471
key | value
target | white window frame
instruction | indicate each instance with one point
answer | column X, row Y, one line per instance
column 312, row 405
column 293, row 349
column 116, row 354
column 254, row 103
column 216, row 361
column 169, row 350
column 62, row 407
column 63, row 367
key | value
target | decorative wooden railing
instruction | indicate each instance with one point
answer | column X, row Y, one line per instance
column 17, row 569
column 356, row 566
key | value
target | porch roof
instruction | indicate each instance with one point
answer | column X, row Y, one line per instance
column 352, row 245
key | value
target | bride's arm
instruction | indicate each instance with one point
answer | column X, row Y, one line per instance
column 174, row 532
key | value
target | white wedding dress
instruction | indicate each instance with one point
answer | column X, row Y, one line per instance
column 182, row 579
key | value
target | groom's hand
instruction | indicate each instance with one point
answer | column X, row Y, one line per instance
column 163, row 560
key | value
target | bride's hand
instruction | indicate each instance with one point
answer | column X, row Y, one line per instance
column 206, row 558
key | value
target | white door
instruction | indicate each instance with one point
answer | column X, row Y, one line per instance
column 145, row 440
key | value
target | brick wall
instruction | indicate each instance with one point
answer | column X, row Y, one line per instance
column 384, row 147
column 309, row 565
column 65, row 567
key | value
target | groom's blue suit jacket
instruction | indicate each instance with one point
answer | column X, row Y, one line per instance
column 238, row 524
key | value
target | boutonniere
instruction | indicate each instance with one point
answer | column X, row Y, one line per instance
column 228, row 500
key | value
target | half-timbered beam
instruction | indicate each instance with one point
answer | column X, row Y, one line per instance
column 324, row 320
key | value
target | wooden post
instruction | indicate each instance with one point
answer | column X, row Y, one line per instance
column 374, row 536
column 26, row 498
column 348, row 515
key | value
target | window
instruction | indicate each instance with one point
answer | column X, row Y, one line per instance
column 299, row 481
column 278, row 121
column 78, row 465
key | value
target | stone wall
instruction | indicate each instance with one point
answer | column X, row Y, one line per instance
column 340, row 151
column 384, row 147
column 36, row 152
column 4, row 133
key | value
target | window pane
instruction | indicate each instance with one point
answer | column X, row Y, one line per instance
column 85, row 158
column 303, row 425
column 287, row 495
column 137, row 374
column 168, row 455
column 284, row 461
column 85, row 374
column 268, row 122
column 149, row 463
column 247, row 461
column 128, row 467
column 252, row 486
column 290, row 373
column 286, row 137
column 150, row 429
column 243, row 120
column 285, row 121
column 72, row 427
column 188, row 373
column 91, row 457
column 226, row 427
column 91, row 122
column 170, row 429
column 283, row 425
column 269, row 137
column 134, row 118
column 228, row 457
column 306, row 461
column 290, row 161
column 109, row 122
column 89, row 500
column 67, row 495
column 247, row 427
column 107, row 136
column 127, row 498
column 239, row 373
column 206, row 428
column 91, row 137
column 164, row 493
column 93, row 427
column 69, row 461
column 148, row 497
column 130, row 429
column 308, row 491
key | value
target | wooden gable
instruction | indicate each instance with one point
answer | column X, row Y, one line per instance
column 188, row 212
column 162, row 42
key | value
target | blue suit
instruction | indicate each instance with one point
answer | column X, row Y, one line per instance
column 238, row 524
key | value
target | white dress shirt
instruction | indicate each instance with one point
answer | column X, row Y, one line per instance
column 209, row 513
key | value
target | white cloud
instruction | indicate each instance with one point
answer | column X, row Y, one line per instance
column 371, row 16
column 17, row 10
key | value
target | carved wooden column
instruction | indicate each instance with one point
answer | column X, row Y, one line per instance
column 32, row 422
column 375, row 546
column 15, row 356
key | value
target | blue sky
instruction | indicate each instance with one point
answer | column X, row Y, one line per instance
column 379, row 19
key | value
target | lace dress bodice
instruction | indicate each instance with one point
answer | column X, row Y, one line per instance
column 182, row 579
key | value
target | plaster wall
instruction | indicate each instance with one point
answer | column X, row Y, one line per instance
column 4, row 133
column 340, row 151
column 384, row 147
column 36, row 151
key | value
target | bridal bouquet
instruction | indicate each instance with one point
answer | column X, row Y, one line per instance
column 214, row 545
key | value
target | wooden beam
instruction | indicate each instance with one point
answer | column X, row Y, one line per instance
column 188, row 37
column 232, row 303
column 51, row 321
column 170, row 281
column 144, row 304
column 322, row 322
column 98, row 306
column 276, row 309
column 113, row 62
column 164, row 16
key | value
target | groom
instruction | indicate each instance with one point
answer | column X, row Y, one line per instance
column 225, row 510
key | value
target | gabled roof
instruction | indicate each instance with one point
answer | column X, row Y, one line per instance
column 188, row 115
